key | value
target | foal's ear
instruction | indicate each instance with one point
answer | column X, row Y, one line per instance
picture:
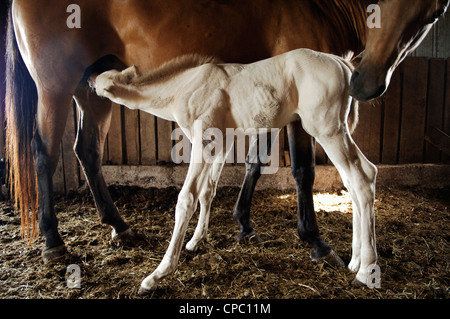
column 131, row 73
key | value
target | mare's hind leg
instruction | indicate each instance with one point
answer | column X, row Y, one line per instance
column 93, row 124
column 52, row 113
column 358, row 175
column 302, row 153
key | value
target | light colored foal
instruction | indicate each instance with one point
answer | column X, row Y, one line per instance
column 265, row 94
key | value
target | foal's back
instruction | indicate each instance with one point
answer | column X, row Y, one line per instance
column 271, row 92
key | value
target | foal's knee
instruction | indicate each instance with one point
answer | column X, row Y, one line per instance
column 371, row 171
column 185, row 204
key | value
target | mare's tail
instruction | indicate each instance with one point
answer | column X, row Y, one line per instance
column 20, row 113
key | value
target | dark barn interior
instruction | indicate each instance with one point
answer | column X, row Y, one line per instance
column 405, row 133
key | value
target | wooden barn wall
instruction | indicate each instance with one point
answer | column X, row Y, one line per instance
column 391, row 130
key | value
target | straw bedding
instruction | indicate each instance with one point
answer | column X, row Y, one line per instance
column 413, row 233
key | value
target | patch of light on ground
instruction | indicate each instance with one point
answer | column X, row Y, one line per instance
column 331, row 202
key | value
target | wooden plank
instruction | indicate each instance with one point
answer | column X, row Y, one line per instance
column 391, row 119
column 282, row 146
column 443, row 32
column 58, row 176
column 105, row 153
column 148, row 139
column 367, row 135
column 131, row 130
column 446, row 120
column 428, row 46
column 436, row 43
column 414, row 97
column 438, row 138
column 71, row 167
column 164, row 133
column 115, row 143
column 435, row 106
column 321, row 156
column 181, row 155
column 3, row 14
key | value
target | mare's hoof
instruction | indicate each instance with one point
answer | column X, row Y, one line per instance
column 53, row 254
column 251, row 238
column 127, row 236
column 332, row 259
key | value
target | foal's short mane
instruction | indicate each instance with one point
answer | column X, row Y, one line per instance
column 170, row 68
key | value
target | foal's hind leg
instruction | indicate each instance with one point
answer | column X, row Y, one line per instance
column 94, row 119
column 206, row 197
column 358, row 175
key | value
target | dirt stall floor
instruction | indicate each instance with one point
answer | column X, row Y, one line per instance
column 412, row 227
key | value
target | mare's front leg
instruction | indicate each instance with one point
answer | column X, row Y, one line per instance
column 241, row 211
column 93, row 125
column 302, row 153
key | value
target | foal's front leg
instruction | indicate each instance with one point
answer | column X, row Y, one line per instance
column 183, row 213
column 197, row 175
column 358, row 175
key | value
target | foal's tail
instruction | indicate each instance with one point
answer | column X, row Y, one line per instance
column 20, row 113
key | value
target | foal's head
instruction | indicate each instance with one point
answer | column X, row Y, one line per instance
column 109, row 83
column 404, row 24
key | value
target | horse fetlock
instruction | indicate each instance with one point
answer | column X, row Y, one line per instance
column 166, row 268
column 353, row 266
column 192, row 245
column 368, row 275
column 148, row 285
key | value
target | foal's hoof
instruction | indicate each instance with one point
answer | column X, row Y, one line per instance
column 144, row 292
column 53, row 254
column 357, row 283
column 251, row 238
column 332, row 259
column 127, row 236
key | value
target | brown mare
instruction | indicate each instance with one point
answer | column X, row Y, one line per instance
column 48, row 62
